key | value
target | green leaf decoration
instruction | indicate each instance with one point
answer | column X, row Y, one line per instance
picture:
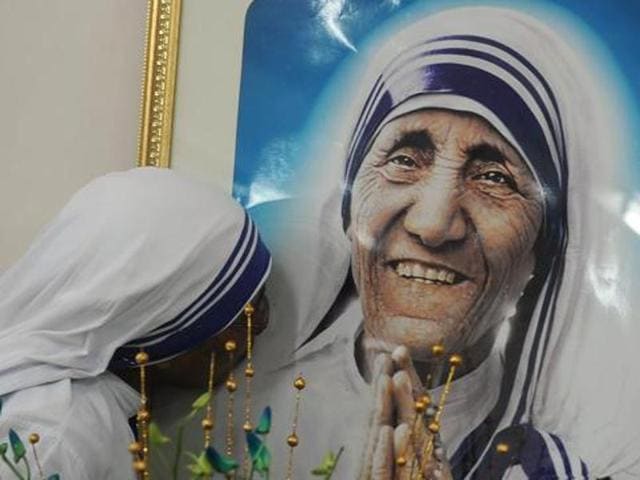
column 198, row 405
column 156, row 437
column 200, row 468
column 55, row 476
column 201, row 401
column 220, row 462
column 328, row 465
column 264, row 423
column 17, row 446
column 259, row 453
column 3, row 449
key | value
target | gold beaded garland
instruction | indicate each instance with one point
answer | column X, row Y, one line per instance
column 135, row 447
column 434, row 427
column 143, row 416
column 207, row 424
column 299, row 383
column 142, row 358
column 292, row 440
column 207, row 421
column 230, row 345
column 437, row 349
column 502, row 448
column 34, row 438
column 249, row 372
column 401, row 461
column 455, row 360
column 231, row 385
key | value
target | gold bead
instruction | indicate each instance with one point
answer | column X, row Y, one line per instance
column 401, row 461
column 142, row 358
column 248, row 309
column 135, row 447
column 455, row 360
column 299, row 383
column 502, row 448
column 420, row 406
column 139, row 466
column 249, row 372
column 292, row 440
column 434, row 427
column 143, row 416
column 207, row 424
column 247, row 426
column 34, row 438
column 437, row 349
column 230, row 345
column 231, row 385
column 426, row 399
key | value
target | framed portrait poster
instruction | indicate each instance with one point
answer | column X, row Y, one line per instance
column 450, row 193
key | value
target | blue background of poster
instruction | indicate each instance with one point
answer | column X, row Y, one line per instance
column 292, row 57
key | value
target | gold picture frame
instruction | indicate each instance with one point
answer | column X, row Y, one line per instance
column 159, row 82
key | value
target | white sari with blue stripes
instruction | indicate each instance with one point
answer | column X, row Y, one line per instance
column 138, row 259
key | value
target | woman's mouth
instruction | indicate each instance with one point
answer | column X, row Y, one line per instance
column 426, row 273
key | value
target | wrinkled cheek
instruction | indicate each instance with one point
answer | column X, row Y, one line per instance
column 368, row 223
column 509, row 255
column 507, row 236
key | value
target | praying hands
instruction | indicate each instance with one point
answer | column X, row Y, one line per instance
column 403, row 442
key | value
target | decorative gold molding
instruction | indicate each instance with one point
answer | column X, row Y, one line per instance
column 159, row 84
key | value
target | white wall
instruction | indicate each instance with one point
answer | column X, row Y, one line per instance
column 70, row 73
column 208, row 87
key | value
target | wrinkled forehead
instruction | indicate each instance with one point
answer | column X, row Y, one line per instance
column 435, row 129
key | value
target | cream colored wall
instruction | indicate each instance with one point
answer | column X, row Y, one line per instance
column 208, row 88
column 69, row 100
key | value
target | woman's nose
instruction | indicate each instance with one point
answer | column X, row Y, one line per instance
column 435, row 215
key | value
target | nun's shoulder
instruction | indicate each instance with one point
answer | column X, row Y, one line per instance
column 79, row 433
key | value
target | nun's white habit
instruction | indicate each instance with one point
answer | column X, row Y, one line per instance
column 559, row 383
column 144, row 258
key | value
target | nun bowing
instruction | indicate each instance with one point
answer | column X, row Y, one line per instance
column 143, row 259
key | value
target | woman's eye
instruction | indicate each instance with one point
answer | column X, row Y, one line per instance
column 496, row 177
column 403, row 161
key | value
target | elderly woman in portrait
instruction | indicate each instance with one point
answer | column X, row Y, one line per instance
column 138, row 260
column 474, row 201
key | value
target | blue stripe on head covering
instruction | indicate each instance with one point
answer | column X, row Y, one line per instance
column 235, row 263
column 244, row 272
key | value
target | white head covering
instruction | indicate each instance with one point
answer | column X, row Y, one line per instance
column 570, row 354
column 143, row 258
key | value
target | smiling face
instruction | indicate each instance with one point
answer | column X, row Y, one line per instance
column 444, row 217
